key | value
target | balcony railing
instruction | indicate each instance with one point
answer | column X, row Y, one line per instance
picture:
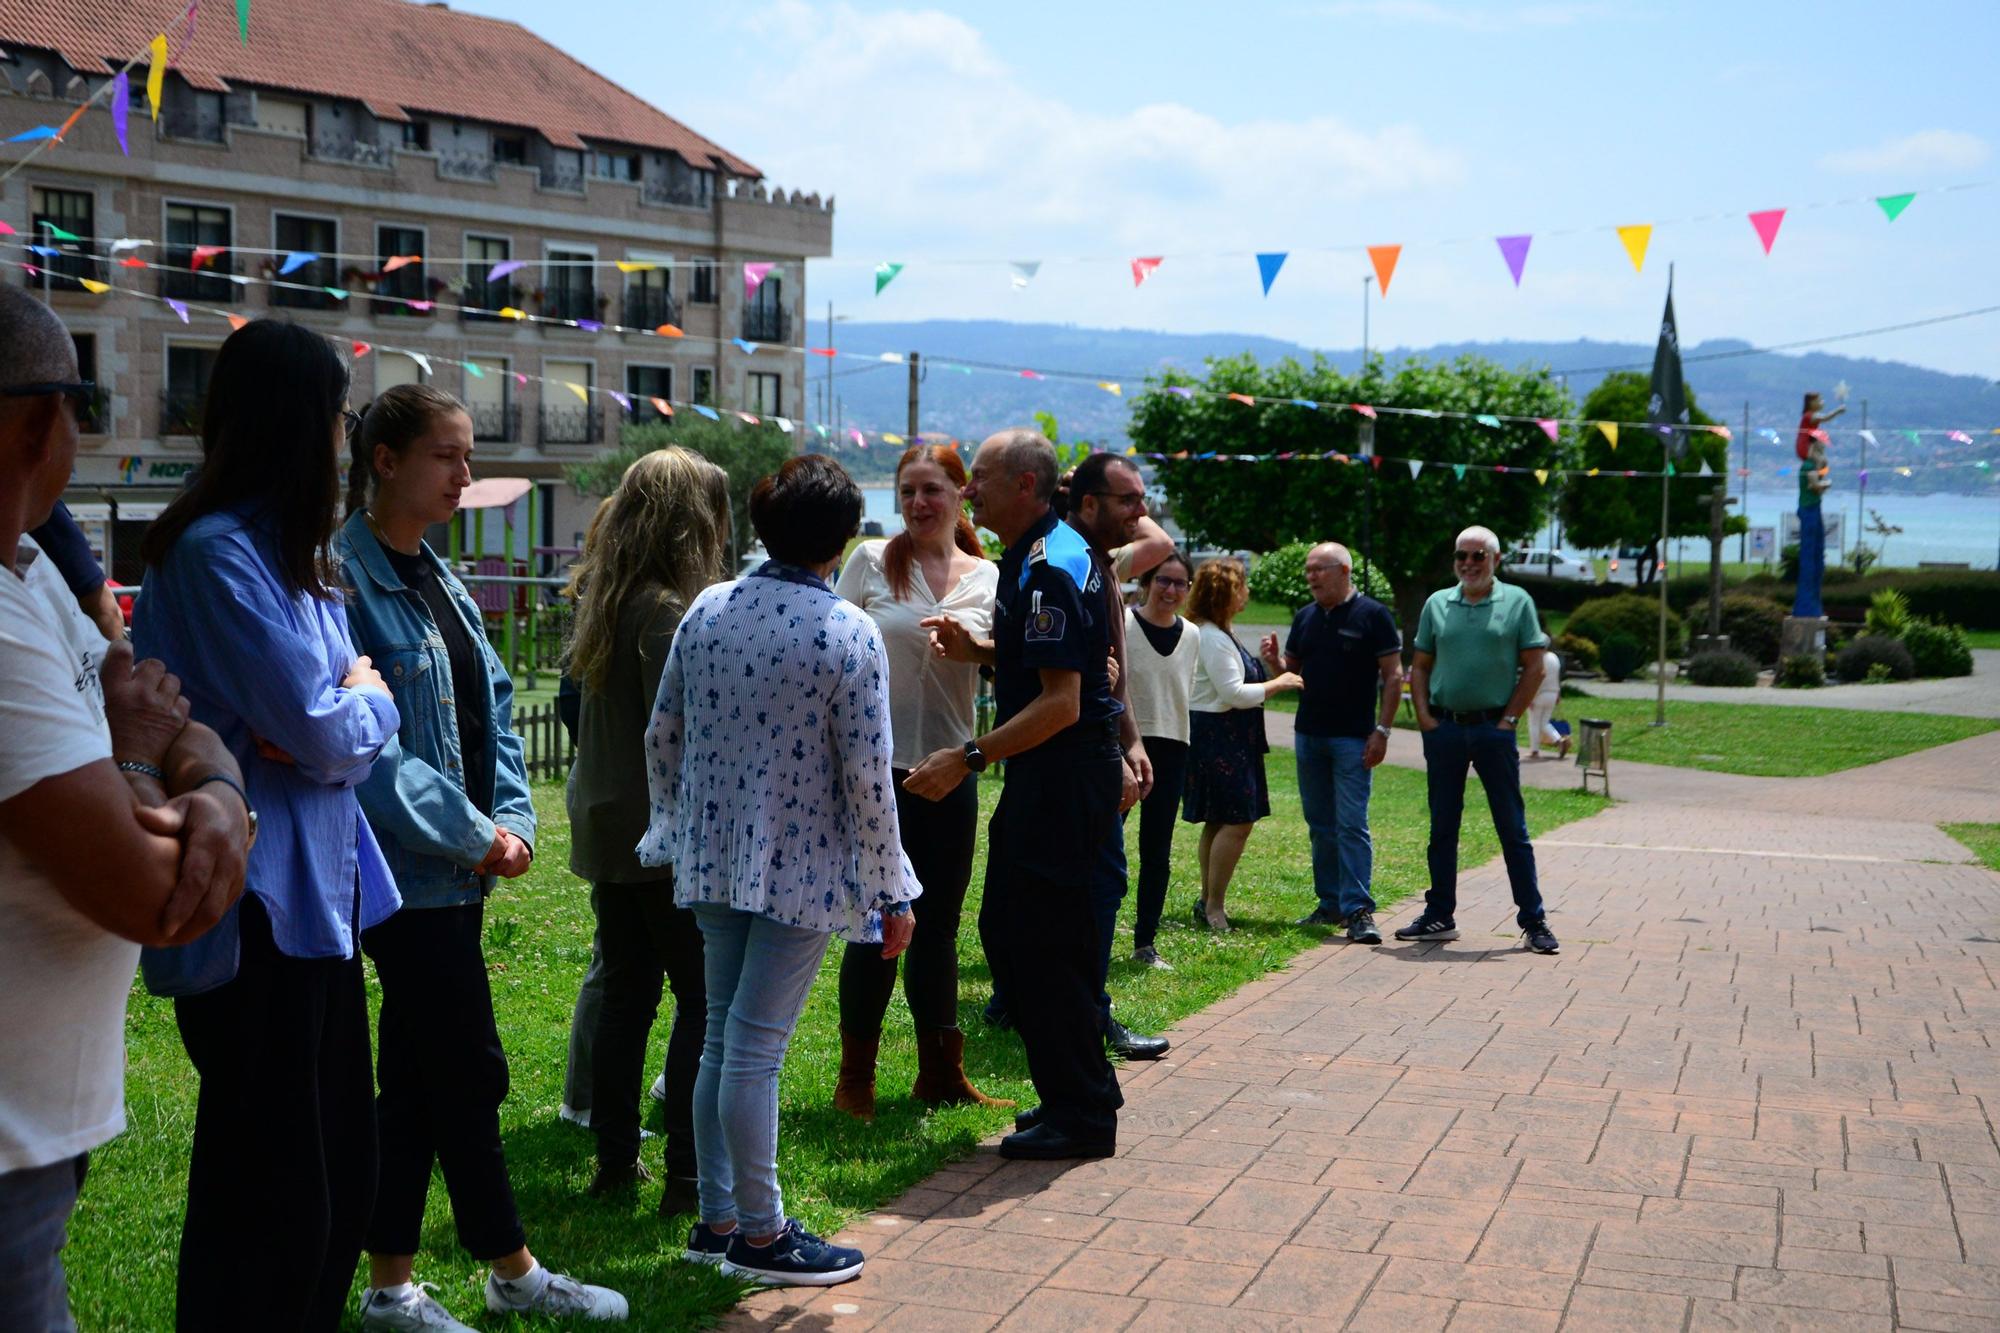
column 649, row 307
column 562, row 178
column 572, row 425
column 401, row 287
column 309, row 295
column 187, row 125
column 767, row 326
column 467, row 167
column 355, row 151
column 683, row 193
column 209, row 283
column 570, row 303
column 481, row 302
column 494, row 423
column 180, row 413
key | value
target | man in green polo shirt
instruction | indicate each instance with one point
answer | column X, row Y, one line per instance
column 1477, row 664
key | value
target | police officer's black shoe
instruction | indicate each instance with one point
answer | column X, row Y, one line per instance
column 1046, row 1143
column 1028, row 1119
column 1129, row 1045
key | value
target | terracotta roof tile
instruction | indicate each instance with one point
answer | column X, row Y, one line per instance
column 469, row 66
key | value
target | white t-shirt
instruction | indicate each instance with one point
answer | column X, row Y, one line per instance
column 62, row 1001
column 930, row 700
column 86, row 642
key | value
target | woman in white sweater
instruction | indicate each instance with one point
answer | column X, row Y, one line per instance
column 1160, row 651
column 1225, row 791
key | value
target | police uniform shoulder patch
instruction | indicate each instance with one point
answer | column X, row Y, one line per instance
column 1045, row 623
column 1039, row 552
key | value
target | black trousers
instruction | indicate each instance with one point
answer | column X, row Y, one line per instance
column 646, row 939
column 1040, row 934
column 282, row 1177
column 938, row 837
column 443, row 1076
column 1158, row 814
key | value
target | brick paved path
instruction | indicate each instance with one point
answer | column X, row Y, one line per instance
column 1757, row 1090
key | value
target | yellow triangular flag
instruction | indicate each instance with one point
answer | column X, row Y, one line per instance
column 509, row 312
column 1636, row 240
column 1542, row 475
column 156, row 73
column 1610, row 429
column 1110, row 387
column 631, row 266
column 577, row 389
column 1591, row 473
column 887, row 438
column 93, row 285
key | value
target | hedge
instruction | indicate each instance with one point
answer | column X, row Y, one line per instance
column 1968, row 597
column 1636, row 616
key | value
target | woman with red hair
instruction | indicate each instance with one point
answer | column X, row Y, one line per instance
column 934, row 567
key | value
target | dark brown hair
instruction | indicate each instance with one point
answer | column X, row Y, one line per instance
column 806, row 510
column 902, row 548
column 397, row 418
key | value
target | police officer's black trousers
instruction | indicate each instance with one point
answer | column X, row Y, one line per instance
column 1040, row 934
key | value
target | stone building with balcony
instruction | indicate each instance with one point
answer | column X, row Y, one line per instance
column 372, row 130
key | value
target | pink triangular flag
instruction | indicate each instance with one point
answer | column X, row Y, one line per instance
column 1549, row 426
column 1364, row 409
column 1142, row 269
column 1767, row 223
column 753, row 278
column 1514, row 249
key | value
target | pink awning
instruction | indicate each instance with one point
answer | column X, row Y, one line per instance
column 494, row 492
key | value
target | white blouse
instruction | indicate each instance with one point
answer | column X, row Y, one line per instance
column 930, row 700
column 767, row 759
column 1158, row 687
column 1220, row 682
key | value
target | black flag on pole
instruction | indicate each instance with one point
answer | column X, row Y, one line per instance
column 1666, row 406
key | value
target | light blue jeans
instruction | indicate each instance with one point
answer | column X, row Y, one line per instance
column 1334, row 782
column 758, row 973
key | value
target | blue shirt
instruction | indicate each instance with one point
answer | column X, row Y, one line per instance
column 260, row 662
column 1049, row 614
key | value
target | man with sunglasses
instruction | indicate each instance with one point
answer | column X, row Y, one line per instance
column 1478, row 663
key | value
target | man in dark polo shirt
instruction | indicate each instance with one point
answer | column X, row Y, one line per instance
column 1346, row 647
column 1057, row 726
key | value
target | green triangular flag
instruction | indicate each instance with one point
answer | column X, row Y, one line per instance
column 884, row 275
column 1458, row 471
column 1670, row 467
column 58, row 233
column 243, row 21
column 1892, row 205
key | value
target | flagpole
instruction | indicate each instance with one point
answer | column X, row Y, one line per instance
column 1660, row 565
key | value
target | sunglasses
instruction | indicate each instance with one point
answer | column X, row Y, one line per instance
column 1470, row 557
column 80, row 393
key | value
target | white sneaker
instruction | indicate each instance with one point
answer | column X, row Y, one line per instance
column 1150, row 957
column 560, row 1295
column 416, row 1310
column 658, row 1092
column 574, row 1117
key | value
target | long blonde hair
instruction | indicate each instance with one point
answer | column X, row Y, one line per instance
column 667, row 524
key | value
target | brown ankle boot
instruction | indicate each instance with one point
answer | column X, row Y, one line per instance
column 854, row 1092
column 941, row 1079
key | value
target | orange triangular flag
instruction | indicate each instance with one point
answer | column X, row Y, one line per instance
column 1384, row 258
column 1636, row 240
column 237, row 321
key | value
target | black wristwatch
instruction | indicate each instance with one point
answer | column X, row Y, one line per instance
column 975, row 758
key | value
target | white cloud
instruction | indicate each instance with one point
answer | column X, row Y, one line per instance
column 1926, row 150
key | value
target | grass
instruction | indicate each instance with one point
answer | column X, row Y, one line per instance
column 1982, row 839
column 1982, row 638
column 123, row 1239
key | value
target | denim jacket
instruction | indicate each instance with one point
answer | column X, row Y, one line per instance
column 415, row 799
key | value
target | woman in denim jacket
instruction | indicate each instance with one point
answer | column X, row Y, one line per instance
column 450, row 803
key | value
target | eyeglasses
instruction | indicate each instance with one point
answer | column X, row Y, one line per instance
column 1470, row 557
column 79, row 393
column 1170, row 584
column 352, row 419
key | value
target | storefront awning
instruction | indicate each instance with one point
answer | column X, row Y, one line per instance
column 494, row 492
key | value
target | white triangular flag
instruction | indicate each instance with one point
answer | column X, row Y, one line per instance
column 1706, row 470
column 1416, row 466
column 1867, row 436
column 1025, row 271
column 784, row 424
column 422, row 361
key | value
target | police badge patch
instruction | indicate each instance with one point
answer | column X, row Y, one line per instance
column 1045, row 623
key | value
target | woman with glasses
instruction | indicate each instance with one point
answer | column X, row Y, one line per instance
column 1225, row 791
column 1160, row 653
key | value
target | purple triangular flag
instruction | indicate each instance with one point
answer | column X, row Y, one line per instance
column 121, row 109
column 1514, row 249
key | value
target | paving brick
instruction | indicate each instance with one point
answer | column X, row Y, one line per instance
column 1749, row 1317
column 1596, row 1308
column 1739, row 1217
column 1306, row 1282
column 918, row 1319
column 1261, row 1205
column 1476, row 1282
column 1195, row 1281
column 1113, row 1272
column 1421, row 1240
column 1479, row 1317
column 1544, row 1244
column 1051, row 1311
column 1400, row 1312
column 997, row 1251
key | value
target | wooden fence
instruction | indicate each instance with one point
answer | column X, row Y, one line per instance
column 549, row 751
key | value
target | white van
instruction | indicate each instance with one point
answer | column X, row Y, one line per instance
column 1551, row 564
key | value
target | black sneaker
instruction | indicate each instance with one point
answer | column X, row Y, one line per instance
column 1320, row 916
column 797, row 1258
column 1540, row 940
column 1361, row 929
column 1428, row 927
column 616, row 1179
column 705, row 1247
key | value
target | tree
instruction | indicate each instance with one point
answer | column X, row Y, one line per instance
column 747, row 453
column 1610, row 510
column 1401, row 523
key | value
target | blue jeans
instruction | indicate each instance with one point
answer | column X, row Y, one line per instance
column 1495, row 755
column 1334, row 782
column 758, row 973
column 35, row 1205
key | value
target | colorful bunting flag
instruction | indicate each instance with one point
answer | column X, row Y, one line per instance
column 1458, row 471
column 587, row 325
column 395, row 262
column 121, row 108
column 156, row 73
column 423, row 362
column 1024, row 272
column 30, row 136
column 623, row 402
column 236, row 322
column 242, row 21
column 1549, row 426
column 362, row 349
column 583, row 394
column 1117, row 390
column 1542, row 476
column 663, row 407
column 1635, row 240
column 1142, row 269
column 885, row 273
column 669, row 331
column 1243, row 398
column 1610, row 429
column 708, row 412
column 204, row 253
column 1959, row 436
column 93, row 286
column 472, row 369
column 1867, row 436
column 295, row 261
column 1767, row 224
column 887, row 438
column 753, row 278
column 1416, row 466
column 1364, row 409
column 504, row 267
column 1267, row 268
column 1892, row 205
column 635, row 266
column 1384, row 258
column 1488, row 419
column 1514, row 249
column 745, row 346
column 512, row 312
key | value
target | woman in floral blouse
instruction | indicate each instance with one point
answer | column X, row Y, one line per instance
column 769, row 767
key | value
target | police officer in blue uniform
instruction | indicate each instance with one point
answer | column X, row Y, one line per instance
column 1057, row 726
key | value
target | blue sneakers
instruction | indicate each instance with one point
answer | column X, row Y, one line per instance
column 797, row 1258
column 704, row 1246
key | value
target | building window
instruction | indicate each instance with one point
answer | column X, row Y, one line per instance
column 649, row 300
column 704, row 386
column 614, row 166
column 192, row 114
column 94, row 417
column 191, row 227
column 762, row 393
column 304, row 235
column 645, row 383
column 64, row 211
column 701, row 282
column 489, row 400
column 764, row 318
column 572, row 285
column 417, row 135
column 704, row 187
column 406, row 283
column 511, row 149
column 187, row 382
column 482, row 253
column 567, row 418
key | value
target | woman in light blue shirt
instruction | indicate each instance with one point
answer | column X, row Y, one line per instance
column 772, row 798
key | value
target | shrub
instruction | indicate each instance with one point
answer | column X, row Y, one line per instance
column 1803, row 671
column 1937, row 650
column 1788, row 562
column 1722, row 666
column 1620, row 655
column 1879, row 673
column 1577, row 652
column 1754, row 626
column 1888, row 614
column 1632, row 615
column 1869, row 649
column 1839, row 575
column 1279, row 577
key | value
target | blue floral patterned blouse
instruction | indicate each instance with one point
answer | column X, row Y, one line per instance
column 768, row 758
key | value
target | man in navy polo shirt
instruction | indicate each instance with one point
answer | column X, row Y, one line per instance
column 1346, row 647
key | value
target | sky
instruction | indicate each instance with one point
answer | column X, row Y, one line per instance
column 959, row 137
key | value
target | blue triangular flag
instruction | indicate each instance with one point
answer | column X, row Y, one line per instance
column 1267, row 268
column 295, row 261
column 29, row 136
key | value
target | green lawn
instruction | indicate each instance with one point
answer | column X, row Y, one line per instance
column 1982, row 839
column 122, row 1242
column 1982, row 638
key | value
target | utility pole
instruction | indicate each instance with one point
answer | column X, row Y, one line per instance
column 1743, row 539
column 914, row 437
column 830, row 415
column 1861, row 476
column 1365, row 281
column 1660, row 574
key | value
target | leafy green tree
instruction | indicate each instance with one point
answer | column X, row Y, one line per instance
column 1610, row 510
column 1401, row 524
column 747, row 453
